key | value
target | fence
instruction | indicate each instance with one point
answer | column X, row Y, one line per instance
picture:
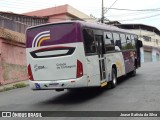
column 12, row 25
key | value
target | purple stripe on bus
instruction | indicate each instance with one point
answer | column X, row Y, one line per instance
column 39, row 36
column 128, row 61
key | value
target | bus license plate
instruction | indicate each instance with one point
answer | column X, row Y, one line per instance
column 53, row 84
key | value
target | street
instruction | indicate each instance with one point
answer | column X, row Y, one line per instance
column 139, row 93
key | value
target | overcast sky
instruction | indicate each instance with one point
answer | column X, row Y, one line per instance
column 150, row 17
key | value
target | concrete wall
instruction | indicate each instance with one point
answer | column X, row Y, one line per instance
column 57, row 18
column 12, row 62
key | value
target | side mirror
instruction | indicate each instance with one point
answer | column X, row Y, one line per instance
column 139, row 42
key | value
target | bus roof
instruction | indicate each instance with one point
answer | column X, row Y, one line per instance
column 89, row 25
column 104, row 27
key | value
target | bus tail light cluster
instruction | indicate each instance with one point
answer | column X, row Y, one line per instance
column 79, row 69
column 30, row 73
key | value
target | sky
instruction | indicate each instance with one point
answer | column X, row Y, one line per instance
column 136, row 11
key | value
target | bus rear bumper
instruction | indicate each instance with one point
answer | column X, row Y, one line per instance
column 59, row 84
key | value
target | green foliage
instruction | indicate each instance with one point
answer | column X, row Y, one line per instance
column 18, row 85
column 128, row 46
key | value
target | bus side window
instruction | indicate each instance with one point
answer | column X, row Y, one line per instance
column 100, row 43
column 117, row 40
column 123, row 41
column 109, row 42
column 129, row 42
column 89, row 42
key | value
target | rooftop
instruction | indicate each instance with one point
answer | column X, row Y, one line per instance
column 16, row 14
column 140, row 26
column 58, row 10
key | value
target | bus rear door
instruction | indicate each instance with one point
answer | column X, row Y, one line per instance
column 102, row 64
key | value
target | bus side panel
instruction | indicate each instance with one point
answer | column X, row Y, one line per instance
column 129, row 60
column 115, row 59
column 93, row 70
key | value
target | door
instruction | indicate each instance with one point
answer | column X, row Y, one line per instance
column 101, row 58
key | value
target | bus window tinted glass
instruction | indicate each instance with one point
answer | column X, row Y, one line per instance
column 117, row 40
column 89, row 42
column 56, row 34
column 123, row 41
column 109, row 42
column 129, row 42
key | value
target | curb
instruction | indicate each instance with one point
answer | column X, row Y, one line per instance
column 15, row 85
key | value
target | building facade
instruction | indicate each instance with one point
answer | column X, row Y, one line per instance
column 150, row 36
column 27, row 20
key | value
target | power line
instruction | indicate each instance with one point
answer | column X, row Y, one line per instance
column 24, row 2
column 22, row 5
column 156, row 9
column 132, row 14
column 14, row 5
column 106, row 10
column 140, row 18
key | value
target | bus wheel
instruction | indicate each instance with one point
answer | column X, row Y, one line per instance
column 113, row 83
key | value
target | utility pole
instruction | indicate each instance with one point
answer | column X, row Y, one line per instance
column 102, row 18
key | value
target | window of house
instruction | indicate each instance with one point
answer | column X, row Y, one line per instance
column 156, row 41
column 147, row 38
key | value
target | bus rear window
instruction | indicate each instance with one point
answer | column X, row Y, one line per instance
column 51, row 34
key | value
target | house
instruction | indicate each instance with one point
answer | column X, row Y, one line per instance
column 61, row 13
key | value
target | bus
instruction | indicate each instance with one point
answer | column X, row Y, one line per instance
column 78, row 54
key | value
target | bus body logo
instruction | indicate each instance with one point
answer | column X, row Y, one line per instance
column 40, row 37
column 37, row 86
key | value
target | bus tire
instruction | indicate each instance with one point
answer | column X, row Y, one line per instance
column 113, row 83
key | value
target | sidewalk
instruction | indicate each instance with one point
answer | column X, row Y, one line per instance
column 14, row 85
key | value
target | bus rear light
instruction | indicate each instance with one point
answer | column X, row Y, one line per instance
column 79, row 69
column 30, row 73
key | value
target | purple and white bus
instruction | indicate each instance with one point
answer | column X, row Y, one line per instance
column 77, row 54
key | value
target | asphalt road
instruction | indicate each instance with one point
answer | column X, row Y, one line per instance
column 139, row 93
